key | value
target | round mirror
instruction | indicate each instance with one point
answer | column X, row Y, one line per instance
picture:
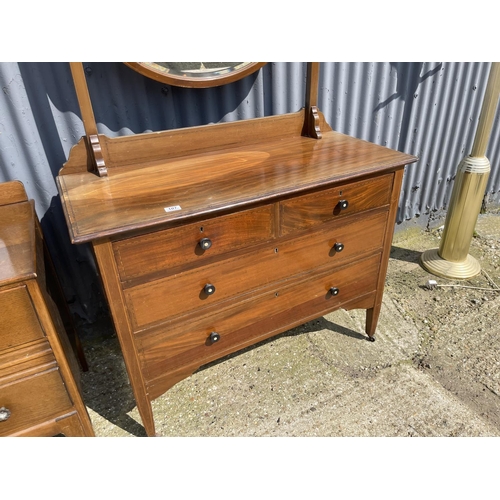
column 195, row 74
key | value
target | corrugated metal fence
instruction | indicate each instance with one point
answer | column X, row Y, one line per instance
column 427, row 109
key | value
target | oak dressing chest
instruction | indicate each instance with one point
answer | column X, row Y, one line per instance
column 39, row 375
column 209, row 239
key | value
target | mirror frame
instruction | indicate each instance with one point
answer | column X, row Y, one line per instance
column 156, row 72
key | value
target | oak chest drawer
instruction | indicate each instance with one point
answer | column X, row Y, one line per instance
column 33, row 400
column 180, row 343
column 335, row 245
column 304, row 212
column 18, row 321
column 193, row 243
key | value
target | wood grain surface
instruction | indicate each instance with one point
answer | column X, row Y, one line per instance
column 12, row 192
column 162, row 252
column 17, row 242
column 183, row 292
column 18, row 321
column 304, row 212
column 165, row 350
column 209, row 183
column 33, row 400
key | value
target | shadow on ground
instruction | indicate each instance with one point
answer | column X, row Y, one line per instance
column 106, row 387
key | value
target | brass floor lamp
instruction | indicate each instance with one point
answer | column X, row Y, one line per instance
column 452, row 258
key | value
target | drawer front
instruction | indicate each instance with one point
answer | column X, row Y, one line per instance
column 157, row 301
column 33, row 400
column 24, row 361
column 310, row 210
column 160, row 251
column 184, row 343
column 18, row 320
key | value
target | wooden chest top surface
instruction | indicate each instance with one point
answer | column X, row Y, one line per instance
column 170, row 191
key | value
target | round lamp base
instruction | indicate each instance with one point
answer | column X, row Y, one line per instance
column 432, row 262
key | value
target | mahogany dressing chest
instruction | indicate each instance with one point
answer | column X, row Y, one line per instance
column 210, row 239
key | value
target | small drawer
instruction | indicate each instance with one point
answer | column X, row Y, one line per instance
column 192, row 243
column 316, row 208
column 33, row 400
column 18, row 320
column 286, row 258
column 185, row 343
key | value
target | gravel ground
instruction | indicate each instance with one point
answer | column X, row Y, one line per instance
column 433, row 371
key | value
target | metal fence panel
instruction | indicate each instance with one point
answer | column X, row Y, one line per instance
column 427, row 109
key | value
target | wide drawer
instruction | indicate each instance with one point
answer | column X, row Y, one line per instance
column 167, row 249
column 33, row 400
column 156, row 301
column 307, row 211
column 18, row 320
column 183, row 343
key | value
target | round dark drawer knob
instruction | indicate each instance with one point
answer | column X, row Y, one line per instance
column 338, row 247
column 209, row 289
column 343, row 204
column 4, row 414
column 334, row 290
column 214, row 337
column 205, row 243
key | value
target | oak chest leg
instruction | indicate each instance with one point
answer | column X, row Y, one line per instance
column 372, row 314
column 111, row 283
column 371, row 321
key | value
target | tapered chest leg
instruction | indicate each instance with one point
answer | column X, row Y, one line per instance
column 109, row 276
column 371, row 322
